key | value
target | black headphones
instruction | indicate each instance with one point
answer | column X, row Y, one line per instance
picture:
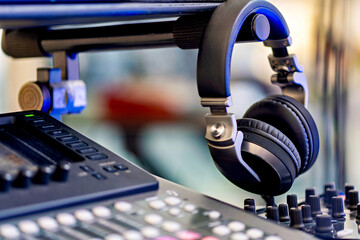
column 277, row 138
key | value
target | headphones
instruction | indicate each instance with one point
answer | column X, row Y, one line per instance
column 277, row 139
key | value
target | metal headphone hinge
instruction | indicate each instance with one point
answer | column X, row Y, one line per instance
column 285, row 64
column 221, row 129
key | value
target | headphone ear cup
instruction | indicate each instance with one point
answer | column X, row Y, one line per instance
column 271, row 155
column 292, row 119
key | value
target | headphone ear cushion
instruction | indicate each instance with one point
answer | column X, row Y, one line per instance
column 292, row 119
column 272, row 133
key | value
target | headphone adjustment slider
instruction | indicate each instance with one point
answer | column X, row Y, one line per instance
column 279, row 43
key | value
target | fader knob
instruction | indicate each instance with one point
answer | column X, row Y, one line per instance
column 306, row 213
column 5, row 181
column 23, row 178
column 272, row 213
column 323, row 224
column 284, row 212
column 308, row 193
column 292, row 201
column 61, row 173
column 296, row 218
column 315, row 205
column 353, row 199
column 43, row 175
column 329, row 194
column 338, row 208
column 348, row 187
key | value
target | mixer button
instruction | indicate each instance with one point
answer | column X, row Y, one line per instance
column 157, row 204
column 214, row 215
column 122, row 206
column 57, row 133
column 98, row 176
column 132, row 235
column 171, row 226
column 84, row 215
column 77, row 144
column 113, row 237
column 28, row 227
column 188, row 235
column 120, row 167
column 236, row 226
column 48, row 223
column 190, row 208
column 239, row 236
column 255, row 233
column 9, row 231
column 66, row 219
column 101, row 211
column 97, row 156
column 153, row 219
column 150, row 232
column 174, row 211
column 273, row 238
column 172, row 201
column 67, row 139
column 221, row 230
column 86, row 168
column 87, row 150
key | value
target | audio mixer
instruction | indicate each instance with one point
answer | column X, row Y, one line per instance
column 57, row 184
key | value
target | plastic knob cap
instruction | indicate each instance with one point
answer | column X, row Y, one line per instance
column 308, row 193
column 23, row 179
column 338, row 208
column 315, row 205
column 61, row 173
column 284, row 213
column 348, row 187
column 43, row 175
column 353, row 199
column 330, row 185
column 323, row 224
column 296, row 218
column 5, row 181
column 249, row 201
column 329, row 194
column 249, row 208
column 306, row 213
column 272, row 213
column 292, row 201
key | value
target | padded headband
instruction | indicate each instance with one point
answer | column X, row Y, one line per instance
column 213, row 74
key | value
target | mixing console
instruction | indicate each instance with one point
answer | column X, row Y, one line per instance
column 56, row 184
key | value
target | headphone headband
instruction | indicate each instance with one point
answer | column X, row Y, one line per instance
column 213, row 71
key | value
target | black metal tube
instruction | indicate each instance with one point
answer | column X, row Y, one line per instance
column 185, row 33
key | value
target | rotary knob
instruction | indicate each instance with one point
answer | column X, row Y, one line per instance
column 292, row 201
column 296, row 218
column 43, row 175
column 6, row 179
column 353, row 199
column 323, row 224
column 62, row 171
column 23, row 179
column 284, row 213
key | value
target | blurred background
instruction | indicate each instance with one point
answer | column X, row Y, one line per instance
column 144, row 106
